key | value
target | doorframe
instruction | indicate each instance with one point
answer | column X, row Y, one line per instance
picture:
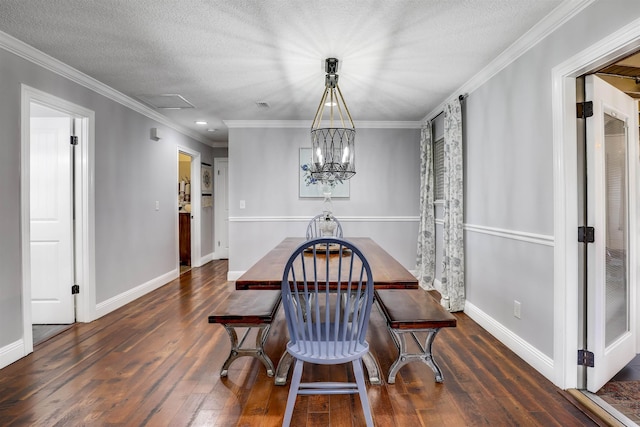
column 566, row 281
column 196, row 211
column 217, row 220
column 84, row 224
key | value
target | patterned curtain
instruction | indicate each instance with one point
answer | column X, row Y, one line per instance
column 426, row 228
column 453, row 292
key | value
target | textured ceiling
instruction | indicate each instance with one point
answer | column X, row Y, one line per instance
column 399, row 59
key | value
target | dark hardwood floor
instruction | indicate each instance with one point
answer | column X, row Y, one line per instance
column 156, row 362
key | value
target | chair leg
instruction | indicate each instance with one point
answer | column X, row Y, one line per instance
column 362, row 391
column 293, row 392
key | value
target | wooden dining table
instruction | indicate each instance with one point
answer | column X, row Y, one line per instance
column 387, row 272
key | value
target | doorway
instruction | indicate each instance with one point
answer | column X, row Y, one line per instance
column 184, row 211
column 188, row 209
column 57, row 213
column 51, row 215
column 609, row 260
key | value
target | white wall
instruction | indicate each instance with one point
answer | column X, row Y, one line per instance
column 263, row 171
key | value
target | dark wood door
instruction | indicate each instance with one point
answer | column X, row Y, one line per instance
column 185, row 238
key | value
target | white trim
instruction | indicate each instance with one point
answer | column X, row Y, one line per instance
column 84, row 215
column 534, row 357
column 566, row 283
column 540, row 239
column 209, row 257
column 306, row 219
column 437, row 285
column 554, row 20
column 220, row 210
column 12, row 352
column 131, row 295
column 232, row 276
column 43, row 60
column 298, row 124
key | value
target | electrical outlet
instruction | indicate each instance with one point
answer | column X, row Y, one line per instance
column 517, row 309
column 243, row 204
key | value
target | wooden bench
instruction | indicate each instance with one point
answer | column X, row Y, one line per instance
column 247, row 309
column 407, row 312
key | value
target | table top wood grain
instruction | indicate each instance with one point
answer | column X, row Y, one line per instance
column 387, row 272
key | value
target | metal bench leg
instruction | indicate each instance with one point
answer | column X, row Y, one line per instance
column 398, row 340
column 428, row 355
column 233, row 354
column 373, row 369
column 405, row 357
column 283, row 368
column 237, row 350
column 261, row 337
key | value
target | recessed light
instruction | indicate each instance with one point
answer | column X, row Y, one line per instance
column 330, row 104
column 201, row 122
column 211, row 130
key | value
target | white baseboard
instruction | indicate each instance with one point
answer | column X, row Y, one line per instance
column 232, row 276
column 437, row 285
column 219, row 255
column 124, row 298
column 209, row 257
column 534, row 357
column 12, row 352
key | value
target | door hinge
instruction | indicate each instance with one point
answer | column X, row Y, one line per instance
column 74, row 140
column 586, row 358
column 75, row 289
column 586, row 234
column 584, row 109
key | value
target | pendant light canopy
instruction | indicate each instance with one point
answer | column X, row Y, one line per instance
column 332, row 140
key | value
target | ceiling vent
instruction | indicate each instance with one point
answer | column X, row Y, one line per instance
column 262, row 105
column 168, row 101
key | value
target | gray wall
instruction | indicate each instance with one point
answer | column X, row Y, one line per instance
column 509, row 177
column 263, row 171
column 134, row 243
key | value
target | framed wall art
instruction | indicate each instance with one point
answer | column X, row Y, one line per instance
column 309, row 187
column 207, row 179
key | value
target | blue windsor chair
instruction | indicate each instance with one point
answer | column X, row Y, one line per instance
column 327, row 293
column 314, row 229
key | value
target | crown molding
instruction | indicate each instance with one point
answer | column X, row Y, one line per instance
column 37, row 57
column 550, row 23
column 307, row 124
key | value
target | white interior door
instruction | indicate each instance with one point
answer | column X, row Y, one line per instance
column 221, row 203
column 612, row 157
column 51, row 231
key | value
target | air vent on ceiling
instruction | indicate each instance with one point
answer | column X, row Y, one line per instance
column 263, row 105
column 168, row 101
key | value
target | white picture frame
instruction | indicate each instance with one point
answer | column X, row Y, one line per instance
column 307, row 188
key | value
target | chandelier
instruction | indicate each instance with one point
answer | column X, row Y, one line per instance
column 332, row 141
